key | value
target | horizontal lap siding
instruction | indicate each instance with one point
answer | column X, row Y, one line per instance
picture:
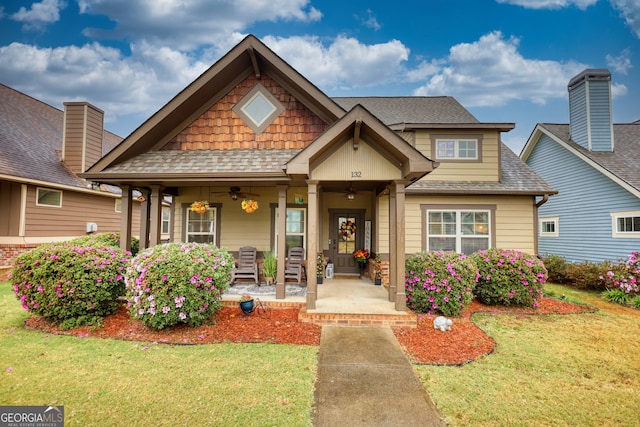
column 584, row 204
column 70, row 219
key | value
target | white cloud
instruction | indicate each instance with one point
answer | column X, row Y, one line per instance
column 491, row 72
column 370, row 21
column 620, row 63
column 333, row 65
column 138, row 84
column 45, row 12
column 550, row 4
column 187, row 25
column 630, row 10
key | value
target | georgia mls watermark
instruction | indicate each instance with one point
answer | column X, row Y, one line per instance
column 31, row 416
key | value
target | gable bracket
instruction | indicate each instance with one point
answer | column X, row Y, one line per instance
column 254, row 62
column 356, row 134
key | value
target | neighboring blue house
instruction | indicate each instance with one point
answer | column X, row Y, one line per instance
column 595, row 166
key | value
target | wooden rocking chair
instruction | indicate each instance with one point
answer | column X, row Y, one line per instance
column 247, row 267
column 295, row 267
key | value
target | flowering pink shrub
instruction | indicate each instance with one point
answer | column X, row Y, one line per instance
column 69, row 284
column 624, row 276
column 177, row 283
column 439, row 282
column 509, row 277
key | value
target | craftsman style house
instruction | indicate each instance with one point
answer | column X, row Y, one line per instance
column 42, row 151
column 595, row 166
column 395, row 175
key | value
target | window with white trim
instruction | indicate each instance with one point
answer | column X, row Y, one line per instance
column 296, row 228
column 464, row 231
column 118, row 205
column 457, row 149
column 47, row 197
column 201, row 228
column 258, row 108
column 548, row 226
column 166, row 218
column 626, row 224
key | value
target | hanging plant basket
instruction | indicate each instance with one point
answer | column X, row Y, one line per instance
column 199, row 206
column 249, row 206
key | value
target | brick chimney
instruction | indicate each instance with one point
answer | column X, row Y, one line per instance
column 590, row 115
column 82, row 135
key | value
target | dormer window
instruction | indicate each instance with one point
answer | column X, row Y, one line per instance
column 461, row 148
column 258, row 108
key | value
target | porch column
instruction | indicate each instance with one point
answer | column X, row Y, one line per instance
column 145, row 211
column 156, row 215
column 125, row 218
column 312, row 244
column 400, row 222
column 393, row 243
column 281, row 250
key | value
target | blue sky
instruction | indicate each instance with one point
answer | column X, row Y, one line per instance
column 504, row 60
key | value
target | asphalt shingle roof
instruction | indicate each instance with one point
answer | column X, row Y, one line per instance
column 517, row 177
column 31, row 140
column 623, row 162
column 411, row 109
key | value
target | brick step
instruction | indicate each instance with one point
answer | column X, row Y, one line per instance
column 359, row 319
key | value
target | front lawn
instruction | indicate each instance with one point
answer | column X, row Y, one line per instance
column 113, row 383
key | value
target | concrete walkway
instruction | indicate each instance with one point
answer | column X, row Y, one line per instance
column 365, row 379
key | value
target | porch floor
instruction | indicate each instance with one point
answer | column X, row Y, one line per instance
column 343, row 300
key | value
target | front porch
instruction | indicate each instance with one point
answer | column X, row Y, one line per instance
column 343, row 300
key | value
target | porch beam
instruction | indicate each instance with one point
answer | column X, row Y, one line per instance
column 393, row 244
column 282, row 242
column 312, row 244
column 125, row 218
column 156, row 215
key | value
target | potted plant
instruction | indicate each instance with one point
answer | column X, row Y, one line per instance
column 249, row 206
column 319, row 267
column 246, row 304
column 361, row 256
column 200, row 206
column 377, row 270
column 269, row 266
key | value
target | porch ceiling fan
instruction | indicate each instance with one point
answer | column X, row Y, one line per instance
column 235, row 193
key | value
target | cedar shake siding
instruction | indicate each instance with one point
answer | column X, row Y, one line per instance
column 220, row 128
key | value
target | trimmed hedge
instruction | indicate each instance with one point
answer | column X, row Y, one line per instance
column 441, row 282
column 509, row 277
column 177, row 283
column 70, row 284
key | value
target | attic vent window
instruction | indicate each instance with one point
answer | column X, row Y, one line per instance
column 258, row 108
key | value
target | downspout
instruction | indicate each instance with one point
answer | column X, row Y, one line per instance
column 545, row 199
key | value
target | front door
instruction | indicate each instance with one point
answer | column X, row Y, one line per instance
column 346, row 232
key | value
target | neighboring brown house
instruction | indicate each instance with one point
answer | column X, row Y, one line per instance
column 42, row 151
column 396, row 175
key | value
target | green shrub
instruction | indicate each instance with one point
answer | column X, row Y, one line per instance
column 624, row 275
column 177, row 283
column 556, row 268
column 617, row 296
column 108, row 238
column 69, row 284
column 588, row 275
column 509, row 277
column 440, row 282
column 635, row 302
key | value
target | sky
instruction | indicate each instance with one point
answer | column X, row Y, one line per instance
column 504, row 60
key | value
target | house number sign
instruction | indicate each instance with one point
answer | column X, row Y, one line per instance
column 356, row 174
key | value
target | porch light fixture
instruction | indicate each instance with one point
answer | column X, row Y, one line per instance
column 351, row 195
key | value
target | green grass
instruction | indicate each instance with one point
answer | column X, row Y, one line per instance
column 547, row 370
column 112, row 383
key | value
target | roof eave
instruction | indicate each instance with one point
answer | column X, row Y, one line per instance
column 502, row 127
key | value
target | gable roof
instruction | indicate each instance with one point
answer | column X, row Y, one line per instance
column 248, row 56
column 31, row 141
column 414, row 112
column 517, row 178
column 622, row 165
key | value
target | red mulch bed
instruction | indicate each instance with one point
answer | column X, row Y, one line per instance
column 424, row 344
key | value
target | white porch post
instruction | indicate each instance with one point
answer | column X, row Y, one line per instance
column 156, row 215
column 312, row 244
column 125, row 218
column 282, row 242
